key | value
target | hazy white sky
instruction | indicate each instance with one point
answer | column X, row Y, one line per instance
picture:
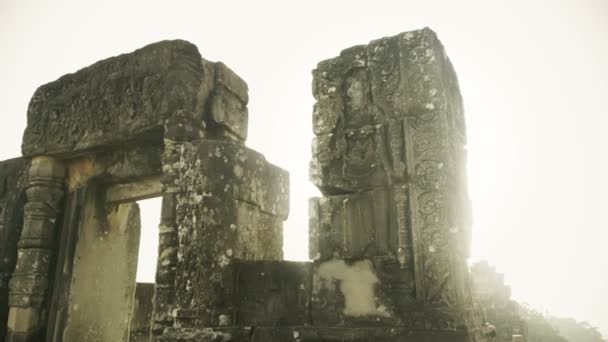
column 533, row 74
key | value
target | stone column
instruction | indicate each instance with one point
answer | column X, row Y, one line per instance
column 30, row 281
column 222, row 202
column 389, row 158
column 164, row 293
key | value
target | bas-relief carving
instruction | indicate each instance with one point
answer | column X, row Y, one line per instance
column 115, row 99
column 388, row 154
column 391, row 126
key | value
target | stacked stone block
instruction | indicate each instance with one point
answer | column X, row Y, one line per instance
column 388, row 239
column 389, row 158
column 227, row 204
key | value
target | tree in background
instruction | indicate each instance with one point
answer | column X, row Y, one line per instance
column 575, row 331
column 547, row 328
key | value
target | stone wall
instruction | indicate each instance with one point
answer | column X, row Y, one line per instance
column 160, row 121
column 141, row 318
column 389, row 238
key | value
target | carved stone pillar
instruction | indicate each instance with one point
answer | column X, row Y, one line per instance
column 167, row 243
column 30, row 280
column 389, row 158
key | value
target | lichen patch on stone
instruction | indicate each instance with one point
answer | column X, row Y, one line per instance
column 357, row 284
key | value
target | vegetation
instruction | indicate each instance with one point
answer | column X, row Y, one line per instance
column 547, row 328
column 575, row 331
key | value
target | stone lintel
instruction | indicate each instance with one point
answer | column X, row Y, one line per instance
column 130, row 192
column 115, row 100
column 164, row 89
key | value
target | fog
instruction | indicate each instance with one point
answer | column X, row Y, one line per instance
column 533, row 75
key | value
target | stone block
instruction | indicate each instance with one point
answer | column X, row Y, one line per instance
column 117, row 99
column 229, row 115
column 228, row 79
column 349, row 293
column 232, row 170
column 212, row 236
column 134, row 191
column 230, row 205
column 347, row 162
column 389, row 115
column 368, row 97
column 331, row 94
column 353, row 226
column 272, row 293
column 141, row 317
column 373, row 292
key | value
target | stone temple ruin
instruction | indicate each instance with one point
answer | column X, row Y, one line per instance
column 389, row 238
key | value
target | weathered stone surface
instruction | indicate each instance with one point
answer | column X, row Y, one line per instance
column 230, row 204
column 121, row 164
column 139, row 327
column 311, row 334
column 13, row 179
column 29, row 283
column 116, row 99
column 134, row 191
column 164, row 291
column 388, row 155
column 363, row 100
column 230, row 113
column 232, row 170
column 354, row 334
column 211, row 237
column 106, row 246
column 396, row 287
column 389, row 239
column 389, row 115
column 353, row 226
column 349, row 293
column 228, row 104
column 272, row 293
column 231, row 82
column 375, row 292
column 165, row 87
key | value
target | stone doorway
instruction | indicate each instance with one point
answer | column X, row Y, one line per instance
column 106, row 303
column 141, row 314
